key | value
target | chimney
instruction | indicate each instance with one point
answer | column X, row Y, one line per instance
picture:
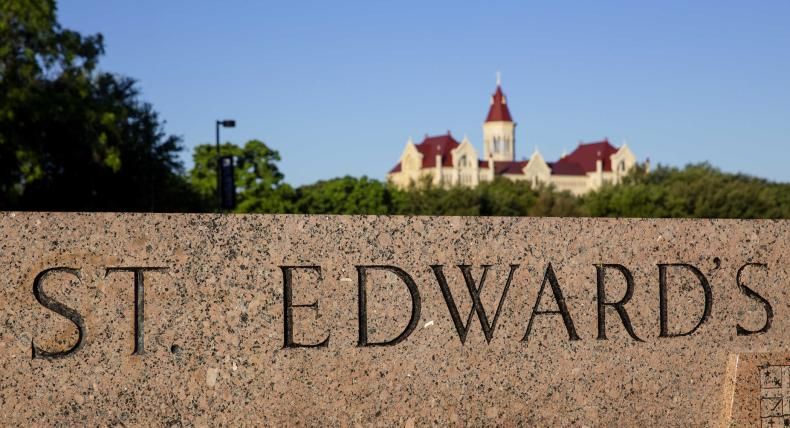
column 599, row 164
column 438, row 168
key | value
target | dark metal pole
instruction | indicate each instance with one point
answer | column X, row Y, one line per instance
column 219, row 172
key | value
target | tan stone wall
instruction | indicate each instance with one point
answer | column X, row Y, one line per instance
column 506, row 132
column 575, row 184
column 259, row 320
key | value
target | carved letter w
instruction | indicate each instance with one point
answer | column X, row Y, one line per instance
column 474, row 293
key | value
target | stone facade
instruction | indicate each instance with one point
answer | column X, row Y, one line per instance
column 446, row 162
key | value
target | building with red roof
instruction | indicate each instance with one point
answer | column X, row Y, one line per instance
column 445, row 161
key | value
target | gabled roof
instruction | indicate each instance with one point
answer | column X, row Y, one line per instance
column 582, row 160
column 498, row 111
column 430, row 147
column 506, row 167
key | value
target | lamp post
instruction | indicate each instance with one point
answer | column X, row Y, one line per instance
column 227, row 123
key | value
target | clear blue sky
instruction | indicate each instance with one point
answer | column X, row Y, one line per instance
column 338, row 87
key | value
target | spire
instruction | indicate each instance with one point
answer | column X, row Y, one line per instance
column 536, row 156
column 499, row 111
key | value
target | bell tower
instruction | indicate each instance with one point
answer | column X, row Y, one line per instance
column 499, row 130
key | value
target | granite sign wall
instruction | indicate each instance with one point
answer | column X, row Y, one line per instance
column 211, row 319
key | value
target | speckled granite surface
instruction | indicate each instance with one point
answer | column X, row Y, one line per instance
column 217, row 334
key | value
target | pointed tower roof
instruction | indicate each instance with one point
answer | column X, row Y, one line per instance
column 498, row 111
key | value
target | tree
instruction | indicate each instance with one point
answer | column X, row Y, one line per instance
column 258, row 180
column 698, row 190
column 501, row 197
column 551, row 203
column 346, row 195
column 73, row 138
column 425, row 198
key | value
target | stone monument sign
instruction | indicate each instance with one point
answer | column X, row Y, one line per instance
column 139, row 319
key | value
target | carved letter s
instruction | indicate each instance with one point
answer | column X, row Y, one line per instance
column 59, row 309
column 748, row 291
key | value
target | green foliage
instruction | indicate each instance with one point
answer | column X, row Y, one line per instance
column 425, row 199
column 694, row 191
column 551, row 203
column 700, row 191
column 72, row 138
column 258, row 180
column 501, row 197
column 346, row 195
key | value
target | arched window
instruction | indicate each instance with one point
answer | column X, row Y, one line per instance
column 621, row 167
